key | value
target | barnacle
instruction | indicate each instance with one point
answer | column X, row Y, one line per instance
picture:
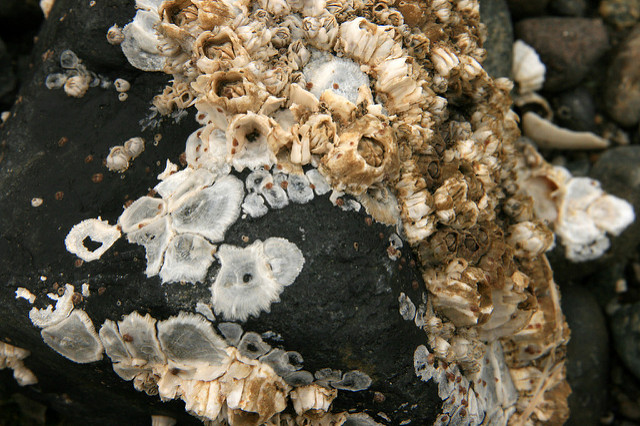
column 12, row 357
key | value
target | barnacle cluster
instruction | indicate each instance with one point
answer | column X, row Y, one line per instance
column 385, row 104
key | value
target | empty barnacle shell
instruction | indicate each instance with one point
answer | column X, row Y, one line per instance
column 96, row 230
column 217, row 48
column 252, row 346
column 155, row 238
column 354, row 381
column 140, row 338
column 121, row 85
column 55, row 80
column 250, row 141
column 187, row 258
column 232, row 91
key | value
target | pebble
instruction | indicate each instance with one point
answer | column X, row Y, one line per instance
column 620, row 13
column 587, row 356
column 568, row 7
column 625, row 326
column 568, row 47
column 522, row 8
column 575, row 110
column 622, row 89
column 499, row 44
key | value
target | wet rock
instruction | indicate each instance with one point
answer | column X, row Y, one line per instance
column 499, row 44
column 622, row 90
column 575, row 110
column 12, row 9
column 625, row 326
column 527, row 8
column 621, row 13
column 587, row 356
column 568, row 47
column 568, row 7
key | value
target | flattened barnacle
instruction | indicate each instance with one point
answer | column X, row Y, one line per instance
column 252, row 278
column 139, row 336
column 74, row 338
column 187, row 258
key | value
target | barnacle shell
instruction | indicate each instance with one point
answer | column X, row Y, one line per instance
column 76, row 86
column 74, row 338
column 12, row 357
column 95, row 229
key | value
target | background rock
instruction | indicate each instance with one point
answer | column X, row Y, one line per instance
column 528, row 8
column 567, row 46
column 622, row 91
column 499, row 44
column 621, row 13
column 625, row 326
column 587, row 356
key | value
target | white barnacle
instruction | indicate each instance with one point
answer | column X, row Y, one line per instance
column 179, row 186
column 117, row 159
column 50, row 315
column 74, row 338
column 115, row 35
column 528, row 70
column 231, row 331
column 299, row 189
column 187, row 258
column 251, row 279
column 113, row 343
column 211, row 211
column 121, row 85
column 134, row 147
column 69, row 60
column 191, row 345
column 248, row 141
column 96, row 230
column 55, row 81
column 254, row 206
column 407, row 308
column 155, row 238
column 319, row 183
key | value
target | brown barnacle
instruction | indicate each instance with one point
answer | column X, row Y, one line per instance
column 386, row 16
column 412, row 11
column 177, row 17
column 466, row 215
column 276, row 79
column 298, row 55
column 442, row 247
column 366, row 153
column 342, row 110
column 256, row 38
column 318, row 133
column 281, row 37
column 212, row 14
column 444, row 59
column 234, row 91
column 397, row 83
column 215, row 49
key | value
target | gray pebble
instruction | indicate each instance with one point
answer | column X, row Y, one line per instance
column 622, row 90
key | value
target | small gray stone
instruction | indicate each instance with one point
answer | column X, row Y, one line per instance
column 587, row 356
column 622, row 90
column 568, row 47
column 499, row 44
column 625, row 325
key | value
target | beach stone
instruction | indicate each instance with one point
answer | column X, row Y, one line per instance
column 622, row 89
column 568, row 47
column 625, row 326
column 620, row 13
column 587, row 356
column 499, row 44
column 575, row 110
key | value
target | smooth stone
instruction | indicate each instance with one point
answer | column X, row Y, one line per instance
column 587, row 356
column 568, row 7
column 499, row 44
column 568, row 47
column 527, row 8
column 625, row 326
column 622, row 89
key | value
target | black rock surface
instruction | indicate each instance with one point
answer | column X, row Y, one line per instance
column 342, row 311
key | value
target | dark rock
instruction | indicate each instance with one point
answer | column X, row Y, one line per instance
column 12, row 9
column 620, row 13
column 7, row 77
column 575, row 110
column 527, row 8
column 568, row 7
column 625, row 326
column 622, row 90
column 499, row 44
column 587, row 356
column 342, row 311
column 568, row 47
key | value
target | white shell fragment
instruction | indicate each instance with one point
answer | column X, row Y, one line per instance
column 23, row 293
column 528, row 70
column 98, row 231
column 50, row 316
column 251, row 279
column 12, row 357
column 548, row 135
column 74, row 338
